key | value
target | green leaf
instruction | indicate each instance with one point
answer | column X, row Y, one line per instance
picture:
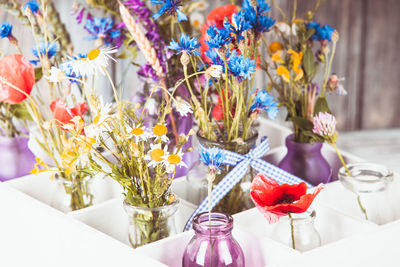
column 303, row 124
column 20, row 111
column 309, row 33
column 38, row 73
column 321, row 106
column 310, row 66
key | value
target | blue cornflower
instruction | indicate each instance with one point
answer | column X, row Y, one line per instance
column 262, row 6
column 44, row 49
column 185, row 44
column 101, row 28
column 240, row 67
column 212, row 157
column 218, row 37
column 33, row 6
column 5, row 30
column 260, row 23
column 171, row 7
column 321, row 33
column 66, row 67
column 215, row 58
column 240, row 24
column 265, row 101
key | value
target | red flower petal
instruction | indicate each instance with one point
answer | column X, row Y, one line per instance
column 19, row 72
column 274, row 200
column 63, row 115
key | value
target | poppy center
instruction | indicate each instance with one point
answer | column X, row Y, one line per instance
column 93, row 54
column 137, row 131
column 174, row 159
column 286, row 199
column 160, row 130
column 157, row 154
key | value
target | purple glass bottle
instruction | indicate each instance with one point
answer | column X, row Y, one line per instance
column 306, row 162
column 16, row 159
column 213, row 244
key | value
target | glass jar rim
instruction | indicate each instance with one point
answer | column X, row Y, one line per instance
column 253, row 138
column 356, row 171
column 221, row 222
column 303, row 218
column 173, row 204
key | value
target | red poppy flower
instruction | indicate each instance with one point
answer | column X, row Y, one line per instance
column 275, row 201
column 216, row 17
column 19, row 72
column 63, row 114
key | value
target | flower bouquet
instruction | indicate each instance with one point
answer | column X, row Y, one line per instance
column 221, row 86
column 49, row 105
column 293, row 65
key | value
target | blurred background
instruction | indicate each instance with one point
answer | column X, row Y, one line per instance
column 367, row 57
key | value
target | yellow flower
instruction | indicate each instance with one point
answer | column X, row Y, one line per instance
column 160, row 131
column 296, row 61
column 277, row 57
column 174, row 160
column 156, row 155
column 284, row 73
column 39, row 162
column 275, row 47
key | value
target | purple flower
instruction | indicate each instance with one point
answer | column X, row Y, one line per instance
column 325, row 126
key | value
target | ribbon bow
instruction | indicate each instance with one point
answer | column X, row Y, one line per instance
column 242, row 162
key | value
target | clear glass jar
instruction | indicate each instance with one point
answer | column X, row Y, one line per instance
column 73, row 194
column 238, row 199
column 146, row 225
column 298, row 231
column 370, row 182
column 213, row 243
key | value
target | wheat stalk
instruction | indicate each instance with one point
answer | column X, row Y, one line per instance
column 141, row 41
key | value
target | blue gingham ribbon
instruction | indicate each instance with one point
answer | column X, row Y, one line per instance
column 242, row 162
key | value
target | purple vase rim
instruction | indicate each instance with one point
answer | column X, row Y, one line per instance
column 309, row 146
column 221, row 223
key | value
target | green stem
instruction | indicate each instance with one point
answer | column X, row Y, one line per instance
column 292, row 230
column 362, row 207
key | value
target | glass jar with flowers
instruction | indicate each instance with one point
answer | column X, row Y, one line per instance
column 293, row 72
column 275, row 201
column 222, row 94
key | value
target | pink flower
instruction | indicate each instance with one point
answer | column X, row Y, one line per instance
column 325, row 125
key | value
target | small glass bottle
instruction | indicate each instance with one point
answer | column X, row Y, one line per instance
column 146, row 225
column 213, row 243
column 298, row 231
column 370, row 182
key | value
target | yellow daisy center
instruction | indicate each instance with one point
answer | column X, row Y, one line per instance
column 93, row 54
column 160, row 130
column 137, row 131
column 174, row 159
column 196, row 23
column 156, row 154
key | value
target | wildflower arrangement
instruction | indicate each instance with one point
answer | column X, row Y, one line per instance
column 222, row 96
column 300, row 49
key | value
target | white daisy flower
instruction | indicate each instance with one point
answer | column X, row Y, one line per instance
column 56, row 75
column 156, row 155
column 160, row 131
column 196, row 19
column 174, row 160
column 182, row 107
column 96, row 60
column 137, row 132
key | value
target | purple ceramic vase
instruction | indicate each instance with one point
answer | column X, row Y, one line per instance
column 213, row 243
column 16, row 159
column 306, row 161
